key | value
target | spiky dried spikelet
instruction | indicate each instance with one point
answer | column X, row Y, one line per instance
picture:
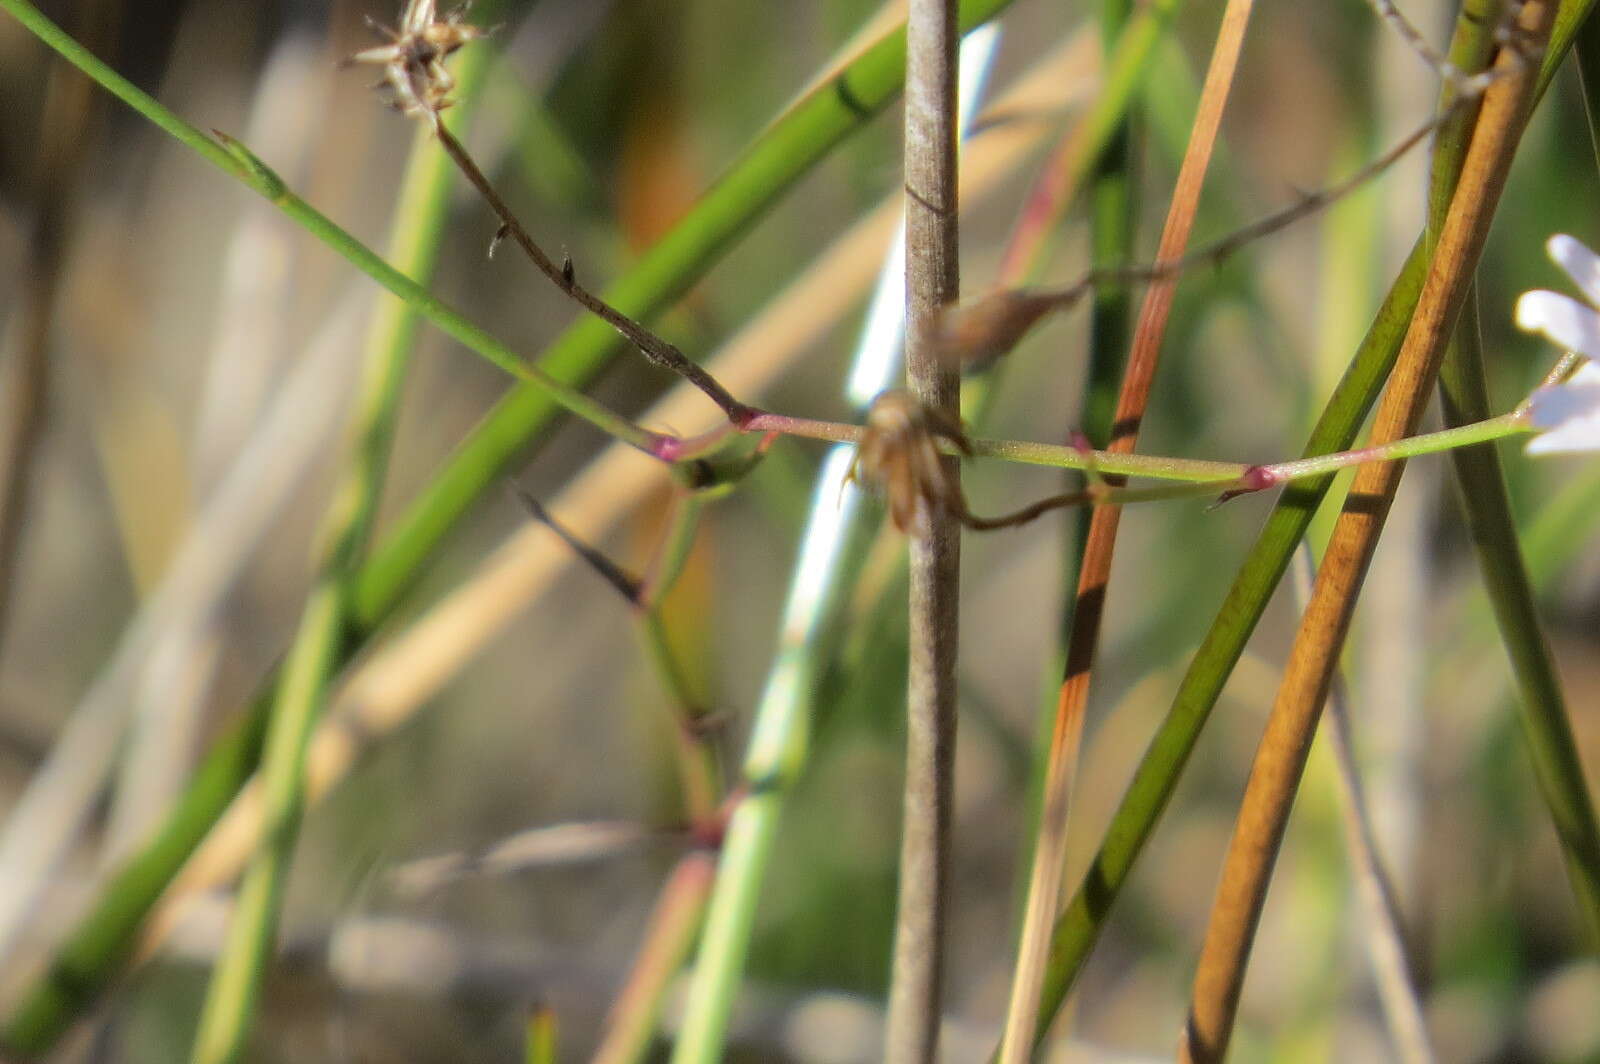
column 413, row 60
column 900, row 457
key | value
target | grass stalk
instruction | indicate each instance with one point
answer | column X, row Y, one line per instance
column 231, row 1001
column 779, row 741
column 776, row 753
column 1078, row 153
column 1275, row 774
column 630, row 1027
column 235, row 989
column 932, row 283
column 104, row 940
column 1542, row 707
column 1156, row 776
column 100, row 944
column 1044, row 887
column 699, row 777
column 1112, row 222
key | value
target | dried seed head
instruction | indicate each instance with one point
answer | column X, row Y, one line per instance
column 413, row 61
column 899, row 456
column 976, row 333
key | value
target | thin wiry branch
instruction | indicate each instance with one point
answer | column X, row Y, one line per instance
column 976, row 334
column 564, row 277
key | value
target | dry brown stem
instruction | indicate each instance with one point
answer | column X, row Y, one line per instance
column 1044, row 886
column 1280, row 759
column 932, row 283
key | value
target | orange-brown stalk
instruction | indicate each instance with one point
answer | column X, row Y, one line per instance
column 1281, row 757
column 1044, row 887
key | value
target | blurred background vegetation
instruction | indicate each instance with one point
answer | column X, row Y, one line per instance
column 181, row 304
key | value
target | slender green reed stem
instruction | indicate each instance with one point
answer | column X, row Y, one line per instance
column 699, row 774
column 1452, row 439
column 230, row 1006
column 1112, row 187
column 630, row 1028
column 1094, row 578
column 631, row 1024
column 777, row 751
column 1112, row 218
column 1126, row 70
column 1543, row 709
column 103, row 941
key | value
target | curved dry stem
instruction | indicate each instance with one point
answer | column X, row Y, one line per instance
column 1275, row 774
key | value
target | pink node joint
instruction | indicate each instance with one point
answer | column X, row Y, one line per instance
column 668, row 449
column 1257, row 478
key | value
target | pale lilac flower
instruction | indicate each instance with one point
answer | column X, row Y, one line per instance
column 1567, row 415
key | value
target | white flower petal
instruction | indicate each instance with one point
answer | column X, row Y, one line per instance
column 1581, row 264
column 1568, row 412
column 1577, row 436
column 1561, row 319
column 1550, row 408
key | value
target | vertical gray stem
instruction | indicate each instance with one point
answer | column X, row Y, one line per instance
column 931, row 282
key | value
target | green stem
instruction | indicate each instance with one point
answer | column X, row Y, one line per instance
column 1543, row 710
column 700, row 774
column 1463, row 390
column 1158, row 467
column 230, row 1005
column 777, row 751
column 1239, row 476
column 1474, row 434
column 102, row 943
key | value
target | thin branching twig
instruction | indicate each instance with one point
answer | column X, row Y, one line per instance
column 564, row 277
